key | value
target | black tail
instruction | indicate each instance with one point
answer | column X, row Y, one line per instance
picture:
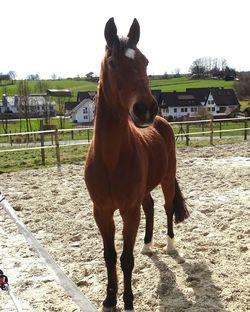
column 180, row 208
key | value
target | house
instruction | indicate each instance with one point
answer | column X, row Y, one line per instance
column 246, row 111
column 201, row 94
column 35, row 105
column 157, row 95
column 81, row 95
column 59, row 92
column 84, row 112
column 69, row 106
column 179, row 104
column 197, row 102
column 222, row 103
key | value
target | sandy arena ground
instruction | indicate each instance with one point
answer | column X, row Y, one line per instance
column 214, row 241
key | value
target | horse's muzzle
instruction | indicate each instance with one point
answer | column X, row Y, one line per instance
column 143, row 115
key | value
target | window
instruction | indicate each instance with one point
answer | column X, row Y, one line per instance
column 186, row 110
column 85, row 110
column 175, row 110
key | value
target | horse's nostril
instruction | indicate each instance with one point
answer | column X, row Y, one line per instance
column 139, row 109
column 143, row 114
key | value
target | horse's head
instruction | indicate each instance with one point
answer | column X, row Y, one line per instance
column 124, row 70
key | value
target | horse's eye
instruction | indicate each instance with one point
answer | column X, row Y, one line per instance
column 146, row 62
column 111, row 63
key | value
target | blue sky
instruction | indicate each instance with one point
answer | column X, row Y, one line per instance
column 65, row 37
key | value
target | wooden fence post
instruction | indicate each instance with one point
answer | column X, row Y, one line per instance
column 245, row 131
column 58, row 158
column 211, row 132
column 187, row 136
column 88, row 135
column 42, row 143
column 11, row 140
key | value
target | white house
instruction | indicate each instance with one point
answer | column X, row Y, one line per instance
column 195, row 102
column 84, row 112
column 179, row 104
column 36, row 105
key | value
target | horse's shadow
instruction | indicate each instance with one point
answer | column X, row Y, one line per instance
column 200, row 293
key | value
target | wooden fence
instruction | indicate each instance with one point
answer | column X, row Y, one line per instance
column 183, row 132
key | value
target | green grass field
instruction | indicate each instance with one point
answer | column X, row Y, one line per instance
column 73, row 85
column 180, row 84
column 177, row 84
column 31, row 159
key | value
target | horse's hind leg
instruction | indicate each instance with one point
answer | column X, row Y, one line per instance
column 107, row 228
column 169, row 191
column 174, row 204
column 148, row 208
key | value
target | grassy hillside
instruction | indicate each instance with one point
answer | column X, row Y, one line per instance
column 172, row 84
column 73, row 85
column 180, row 84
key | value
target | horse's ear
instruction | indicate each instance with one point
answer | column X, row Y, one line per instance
column 134, row 33
column 110, row 32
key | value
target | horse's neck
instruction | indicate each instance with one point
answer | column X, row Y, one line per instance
column 111, row 132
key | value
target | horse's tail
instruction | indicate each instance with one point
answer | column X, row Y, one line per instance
column 179, row 205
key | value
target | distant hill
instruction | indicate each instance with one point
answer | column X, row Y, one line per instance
column 172, row 84
column 180, row 84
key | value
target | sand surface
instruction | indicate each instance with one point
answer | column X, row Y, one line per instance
column 214, row 241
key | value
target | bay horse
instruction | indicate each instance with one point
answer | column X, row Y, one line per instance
column 132, row 151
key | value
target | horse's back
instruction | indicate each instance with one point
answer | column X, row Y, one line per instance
column 163, row 127
column 160, row 149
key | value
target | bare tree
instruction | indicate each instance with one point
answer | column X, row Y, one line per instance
column 242, row 86
column 12, row 75
column 23, row 92
column 207, row 67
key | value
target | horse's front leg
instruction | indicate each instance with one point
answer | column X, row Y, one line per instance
column 131, row 220
column 105, row 222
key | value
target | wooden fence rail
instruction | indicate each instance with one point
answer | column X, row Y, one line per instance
column 182, row 134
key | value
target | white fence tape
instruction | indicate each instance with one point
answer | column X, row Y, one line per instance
column 77, row 296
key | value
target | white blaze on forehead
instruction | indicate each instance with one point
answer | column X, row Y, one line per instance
column 130, row 53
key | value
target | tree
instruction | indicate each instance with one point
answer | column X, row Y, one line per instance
column 242, row 86
column 209, row 67
column 33, row 77
column 41, row 87
column 12, row 75
column 23, row 92
column 198, row 68
column 177, row 72
column 89, row 76
column 53, row 76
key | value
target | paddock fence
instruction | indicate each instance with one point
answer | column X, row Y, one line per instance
column 185, row 131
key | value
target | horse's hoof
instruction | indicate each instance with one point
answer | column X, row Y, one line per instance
column 146, row 250
column 170, row 245
column 109, row 309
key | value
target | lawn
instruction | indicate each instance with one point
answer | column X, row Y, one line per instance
column 171, row 84
column 31, row 159
column 180, row 84
column 73, row 85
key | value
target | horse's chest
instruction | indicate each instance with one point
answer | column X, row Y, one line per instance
column 116, row 186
